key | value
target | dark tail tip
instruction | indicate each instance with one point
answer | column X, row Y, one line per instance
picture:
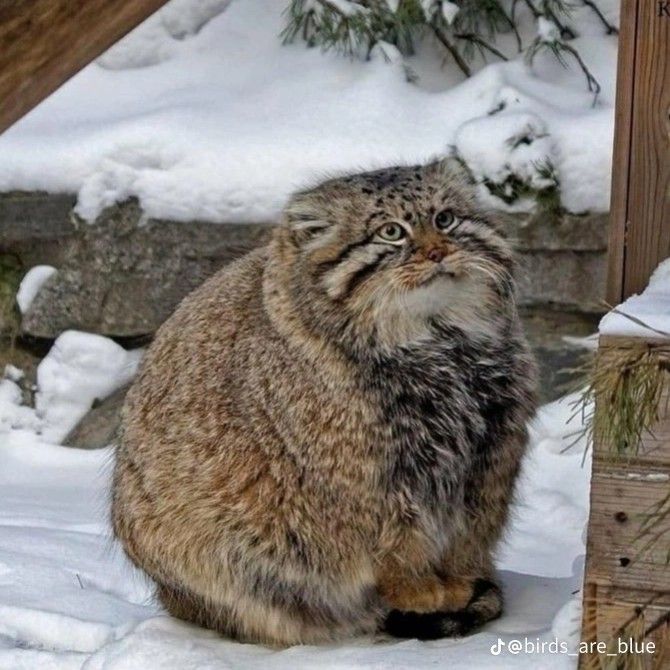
column 485, row 605
column 429, row 626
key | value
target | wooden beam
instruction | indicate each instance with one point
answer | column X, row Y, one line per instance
column 45, row 42
column 622, row 146
column 640, row 223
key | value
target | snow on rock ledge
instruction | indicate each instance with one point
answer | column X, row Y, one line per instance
column 124, row 275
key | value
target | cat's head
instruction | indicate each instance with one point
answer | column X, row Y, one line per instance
column 385, row 253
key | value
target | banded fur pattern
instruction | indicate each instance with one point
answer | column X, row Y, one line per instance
column 323, row 439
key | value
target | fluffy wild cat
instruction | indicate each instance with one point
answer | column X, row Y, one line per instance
column 323, row 439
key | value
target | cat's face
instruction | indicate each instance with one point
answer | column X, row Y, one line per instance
column 393, row 248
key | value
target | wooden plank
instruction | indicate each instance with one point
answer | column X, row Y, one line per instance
column 620, row 555
column 44, row 42
column 627, row 569
column 622, row 147
column 648, row 235
column 607, row 610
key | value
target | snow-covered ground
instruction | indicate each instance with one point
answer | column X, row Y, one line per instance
column 70, row 600
column 203, row 113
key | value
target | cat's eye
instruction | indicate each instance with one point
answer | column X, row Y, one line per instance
column 391, row 232
column 444, row 219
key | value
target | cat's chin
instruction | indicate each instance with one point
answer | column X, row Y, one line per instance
column 438, row 274
column 443, row 278
column 460, row 301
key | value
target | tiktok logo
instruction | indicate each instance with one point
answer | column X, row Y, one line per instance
column 496, row 648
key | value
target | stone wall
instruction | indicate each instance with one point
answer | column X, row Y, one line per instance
column 123, row 275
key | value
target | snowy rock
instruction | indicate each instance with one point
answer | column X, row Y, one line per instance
column 99, row 428
column 31, row 284
column 13, row 373
column 124, row 276
column 14, row 414
column 79, row 369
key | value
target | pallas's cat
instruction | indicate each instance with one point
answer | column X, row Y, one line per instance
column 323, row 439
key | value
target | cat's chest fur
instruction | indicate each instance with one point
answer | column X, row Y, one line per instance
column 443, row 403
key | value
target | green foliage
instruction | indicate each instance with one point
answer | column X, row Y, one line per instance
column 514, row 189
column 11, row 271
column 464, row 28
column 627, row 386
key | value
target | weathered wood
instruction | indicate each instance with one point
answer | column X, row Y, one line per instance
column 622, row 147
column 44, row 42
column 607, row 608
column 640, row 233
column 620, row 555
column 627, row 567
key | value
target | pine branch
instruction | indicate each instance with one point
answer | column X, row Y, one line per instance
column 567, row 33
column 471, row 37
column 591, row 81
column 610, row 28
column 557, row 47
column 356, row 26
column 451, row 48
column 533, row 9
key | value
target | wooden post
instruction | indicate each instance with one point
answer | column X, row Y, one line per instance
column 640, row 210
column 44, row 42
column 627, row 581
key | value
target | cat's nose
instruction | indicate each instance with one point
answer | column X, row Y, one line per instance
column 435, row 255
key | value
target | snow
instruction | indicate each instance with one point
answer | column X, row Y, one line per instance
column 157, row 39
column 546, row 30
column 31, row 284
column 449, row 11
column 79, row 369
column 646, row 314
column 346, row 7
column 70, row 600
column 202, row 113
column 501, row 147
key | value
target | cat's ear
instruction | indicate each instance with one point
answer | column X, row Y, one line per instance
column 304, row 218
column 454, row 169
